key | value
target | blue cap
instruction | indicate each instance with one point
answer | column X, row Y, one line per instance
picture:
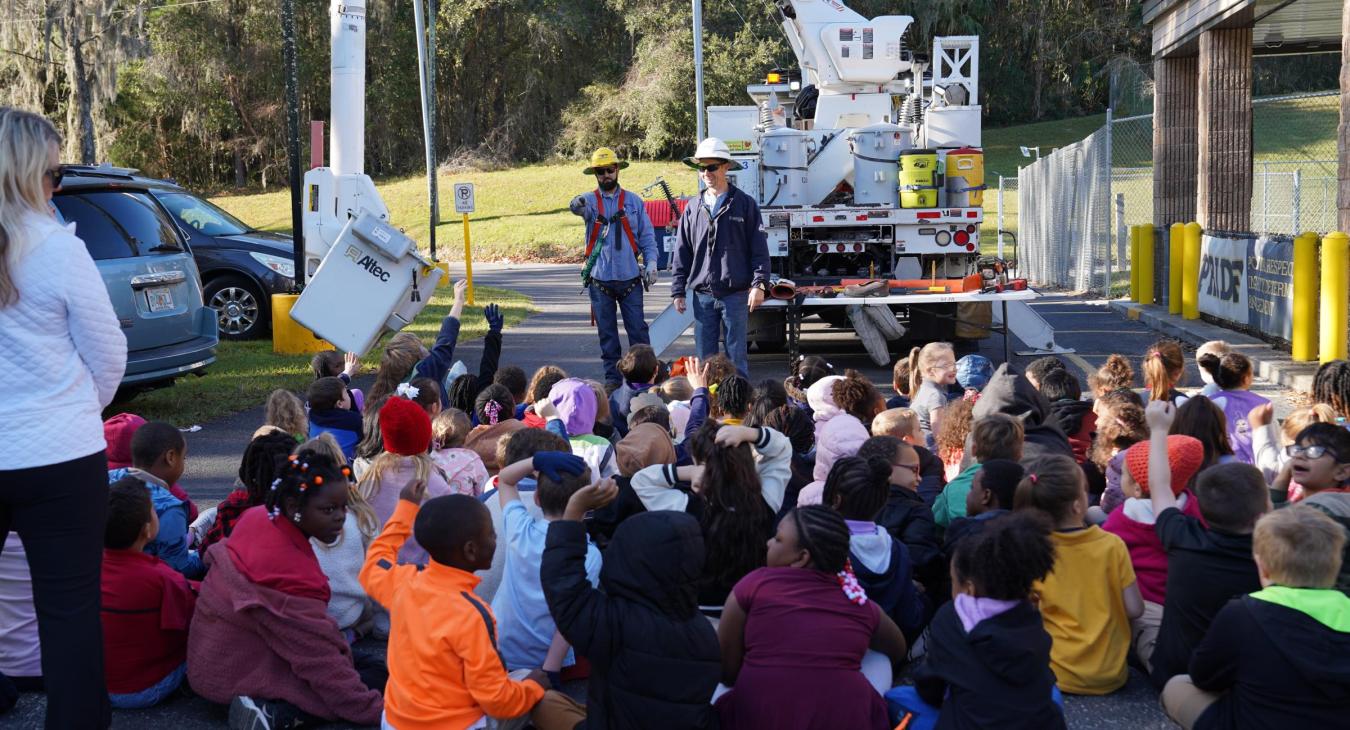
column 974, row 371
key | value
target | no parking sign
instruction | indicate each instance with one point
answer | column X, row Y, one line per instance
column 463, row 197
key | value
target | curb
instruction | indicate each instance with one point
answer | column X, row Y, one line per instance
column 1271, row 364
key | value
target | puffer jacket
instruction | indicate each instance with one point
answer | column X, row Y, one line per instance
column 838, row 434
column 1011, row 393
column 655, row 660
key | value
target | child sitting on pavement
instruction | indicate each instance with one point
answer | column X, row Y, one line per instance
column 146, row 605
column 334, row 364
column 445, row 669
column 159, row 457
column 1319, row 459
column 639, row 368
column 463, row 468
column 1279, row 657
column 1134, row 522
column 118, row 432
column 996, row 436
column 1209, row 562
column 1090, row 596
column 991, row 495
column 407, row 436
column 330, row 412
column 988, row 661
column 905, row 515
column 525, row 627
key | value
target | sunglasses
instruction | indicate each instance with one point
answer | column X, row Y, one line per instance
column 55, row 174
column 713, row 167
column 606, row 170
column 1312, row 452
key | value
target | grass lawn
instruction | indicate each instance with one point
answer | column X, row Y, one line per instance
column 521, row 213
column 246, row 372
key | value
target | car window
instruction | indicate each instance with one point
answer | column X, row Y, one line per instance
column 101, row 234
column 201, row 215
column 141, row 220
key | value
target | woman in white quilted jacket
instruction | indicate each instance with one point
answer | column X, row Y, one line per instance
column 62, row 354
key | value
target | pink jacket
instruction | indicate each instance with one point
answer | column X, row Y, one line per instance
column 386, row 500
column 838, row 434
column 250, row 640
column 1133, row 522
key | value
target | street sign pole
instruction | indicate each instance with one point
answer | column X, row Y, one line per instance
column 464, row 205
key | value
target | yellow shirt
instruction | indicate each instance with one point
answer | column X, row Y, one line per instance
column 1084, row 611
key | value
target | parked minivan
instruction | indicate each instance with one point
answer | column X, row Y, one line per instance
column 148, row 268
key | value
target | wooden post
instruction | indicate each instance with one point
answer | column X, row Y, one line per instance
column 1224, row 202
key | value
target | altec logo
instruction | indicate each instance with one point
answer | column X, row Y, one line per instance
column 368, row 263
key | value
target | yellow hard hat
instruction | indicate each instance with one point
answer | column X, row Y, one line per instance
column 604, row 157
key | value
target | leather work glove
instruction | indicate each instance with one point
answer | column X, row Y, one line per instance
column 648, row 275
column 578, row 205
column 493, row 315
column 557, row 464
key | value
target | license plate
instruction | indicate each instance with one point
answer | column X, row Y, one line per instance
column 160, row 299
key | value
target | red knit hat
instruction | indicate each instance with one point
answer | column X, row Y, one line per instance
column 406, row 428
column 1185, row 454
column 117, row 431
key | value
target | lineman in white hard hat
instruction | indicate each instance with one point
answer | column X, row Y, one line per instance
column 721, row 260
column 617, row 232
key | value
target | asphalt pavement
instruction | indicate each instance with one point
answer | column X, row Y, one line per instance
column 560, row 333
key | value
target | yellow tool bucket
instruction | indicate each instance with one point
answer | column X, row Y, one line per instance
column 919, row 179
column 965, row 178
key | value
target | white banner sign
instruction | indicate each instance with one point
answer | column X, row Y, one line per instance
column 1223, row 278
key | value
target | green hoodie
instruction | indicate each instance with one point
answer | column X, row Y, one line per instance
column 1327, row 606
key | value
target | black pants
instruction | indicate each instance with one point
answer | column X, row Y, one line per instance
column 369, row 667
column 59, row 512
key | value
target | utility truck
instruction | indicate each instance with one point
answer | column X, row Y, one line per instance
column 866, row 164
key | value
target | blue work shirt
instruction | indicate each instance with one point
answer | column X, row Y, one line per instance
column 617, row 261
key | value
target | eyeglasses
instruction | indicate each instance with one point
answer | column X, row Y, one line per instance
column 1312, row 452
column 55, row 174
column 606, row 170
column 912, row 467
column 713, row 167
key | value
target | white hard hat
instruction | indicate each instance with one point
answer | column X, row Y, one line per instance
column 712, row 148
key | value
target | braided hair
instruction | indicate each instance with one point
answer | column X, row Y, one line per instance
column 262, row 462
column 302, row 475
column 732, row 399
column 858, row 487
column 1331, row 386
column 463, row 393
column 822, row 532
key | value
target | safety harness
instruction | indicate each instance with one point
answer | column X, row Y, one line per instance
column 596, row 228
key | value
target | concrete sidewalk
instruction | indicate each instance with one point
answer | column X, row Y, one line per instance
column 1271, row 364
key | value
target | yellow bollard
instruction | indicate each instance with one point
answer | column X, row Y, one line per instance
column 1146, row 264
column 468, row 261
column 288, row 336
column 1305, row 298
column 1175, row 241
column 1190, row 272
column 1335, row 289
column 1134, row 263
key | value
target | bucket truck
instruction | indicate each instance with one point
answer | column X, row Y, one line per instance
column 866, row 164
column 364, row 277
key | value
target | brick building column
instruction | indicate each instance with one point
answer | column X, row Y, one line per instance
column 1175, row 142
column 1224, row 201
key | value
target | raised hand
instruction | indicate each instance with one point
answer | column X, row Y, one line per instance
column 493, row 314
column 414, row 490
column 1159, row 415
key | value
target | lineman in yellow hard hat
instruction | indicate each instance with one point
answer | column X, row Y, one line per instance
column 618, row 233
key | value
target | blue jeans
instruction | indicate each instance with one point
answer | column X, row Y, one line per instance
column 722, row 319
column 607, row 323
column 152, row 695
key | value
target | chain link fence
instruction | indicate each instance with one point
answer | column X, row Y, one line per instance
column 1078, row 203
column 1064, row 216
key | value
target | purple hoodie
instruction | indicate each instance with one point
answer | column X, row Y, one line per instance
column 1236, row 404
column 576, row 405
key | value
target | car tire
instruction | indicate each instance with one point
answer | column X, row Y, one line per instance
column 240, row 306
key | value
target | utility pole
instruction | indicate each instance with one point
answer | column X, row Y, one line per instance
column 698, row 68
column 293, row 138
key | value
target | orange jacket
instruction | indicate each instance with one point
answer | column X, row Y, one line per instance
column 444, row 667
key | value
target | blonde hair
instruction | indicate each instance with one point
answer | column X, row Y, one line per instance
column 366, row 519
column 400, row 357
column 897, row 422
column 286, row 411
column 372, row 480
column 1304, row 417
column 920, row 360
column 1164, row 365
column 602, row 414
column 677, row 388
column 1299, row 547
column 25, row 142
column 449, row 429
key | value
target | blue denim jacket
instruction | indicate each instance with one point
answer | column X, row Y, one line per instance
column 617, row 262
